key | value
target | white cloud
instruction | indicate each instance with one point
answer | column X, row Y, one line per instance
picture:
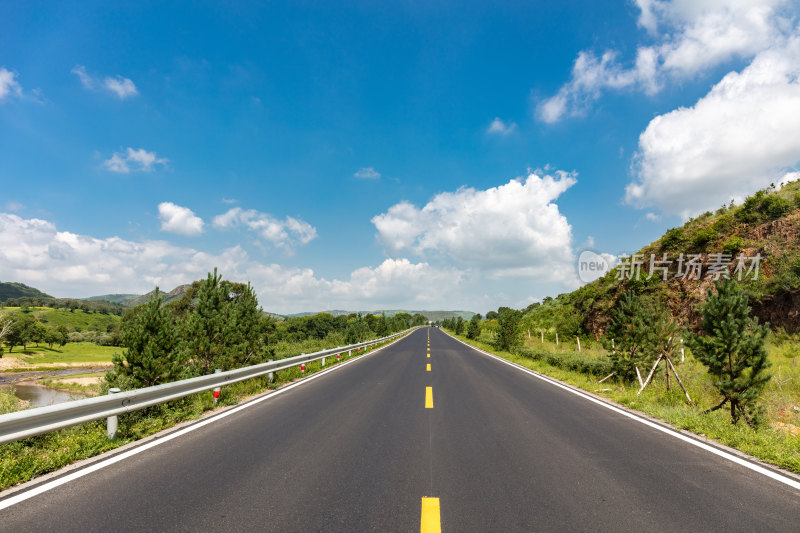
column 367, row 173
column 229, row 201
column 178, row 219
column 498, row 127
column 122, row 87
column 9, row 86
column 14, row 206
column 61, row 263
column 133, row 160
column 86, row 80
column 514, row 230
column 738, row 138
column 652, row 217
column 690, row 36
column 280, row 233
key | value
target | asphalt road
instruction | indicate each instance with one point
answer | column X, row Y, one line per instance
column 357, row 450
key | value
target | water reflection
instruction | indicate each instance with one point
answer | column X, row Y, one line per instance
column 40, row 396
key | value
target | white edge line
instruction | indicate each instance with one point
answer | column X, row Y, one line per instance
column 13, row 500
column 716, row 451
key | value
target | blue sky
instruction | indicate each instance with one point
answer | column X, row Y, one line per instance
column 368, row 155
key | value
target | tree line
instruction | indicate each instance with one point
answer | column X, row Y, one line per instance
column 219, row 324
column 72, row 304
column 23, row 329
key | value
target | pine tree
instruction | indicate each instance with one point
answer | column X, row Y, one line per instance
column 474, row 328
column 244, row 329
column 633, row 334
column 508, row 320
column 202, row 328
column 151, row 356
column 733, row 350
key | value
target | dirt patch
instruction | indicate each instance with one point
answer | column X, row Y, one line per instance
column 83, row 382
column 7, row 362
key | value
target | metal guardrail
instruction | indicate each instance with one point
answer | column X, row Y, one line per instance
column 31, row 422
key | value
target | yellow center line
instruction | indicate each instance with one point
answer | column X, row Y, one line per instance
column 429, row 367
column 429, row 355
column 428, row 397
column 430, row 522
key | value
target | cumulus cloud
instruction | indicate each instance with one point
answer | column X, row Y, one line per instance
column 34, row 251
column 514, row 230
column 283, row 234
column 688, row 37
column 738, row 138
column 498, row 127
column 133, row 160
column 178, row 219
column 9, row 86
column 367, row 173
column 121, row 87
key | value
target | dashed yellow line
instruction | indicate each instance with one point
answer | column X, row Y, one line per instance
column 428, row 397
column 431, row 521
column 429, row 355
column 429, row 367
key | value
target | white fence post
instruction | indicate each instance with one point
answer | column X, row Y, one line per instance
column 217, row 389
column 112, row 423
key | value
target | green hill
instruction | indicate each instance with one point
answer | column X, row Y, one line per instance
column 433, row 316
column 75, row 319
column 113, row 298
column 765, row 226
column 19, row 290
column 171, row 296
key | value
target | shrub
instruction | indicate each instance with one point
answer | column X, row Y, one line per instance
column 703, row 236
column 673, row 239
column 733, row 245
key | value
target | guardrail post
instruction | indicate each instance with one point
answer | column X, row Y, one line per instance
column 112, row 422
column 349, row 353
column 323, row 361
column 217, row 389
column 271, row 374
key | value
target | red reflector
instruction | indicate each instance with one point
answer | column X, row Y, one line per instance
column 216, row 394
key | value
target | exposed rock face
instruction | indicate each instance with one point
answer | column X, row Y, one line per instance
column 780, row 310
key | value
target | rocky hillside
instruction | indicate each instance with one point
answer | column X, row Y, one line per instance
column 756, row 243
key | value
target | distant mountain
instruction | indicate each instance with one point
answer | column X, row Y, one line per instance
column 433, row 316
column 170, row 296
column 114, row 298
column 19, row 290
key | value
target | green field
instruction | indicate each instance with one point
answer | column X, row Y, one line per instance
column 72, row 352
column 76, row 320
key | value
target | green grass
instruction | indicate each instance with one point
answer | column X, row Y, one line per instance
column 8, row 402
column 768, row 443
column 72, row 352
column 23, row 460
column 76, row 320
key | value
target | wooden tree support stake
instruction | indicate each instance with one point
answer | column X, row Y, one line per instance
column 608, row 376
column 677, row 377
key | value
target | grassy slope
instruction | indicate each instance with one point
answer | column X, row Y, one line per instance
column 733, row 230
column 781, row 397
column 17, row 290
column 76, row 320
column 72, row 352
